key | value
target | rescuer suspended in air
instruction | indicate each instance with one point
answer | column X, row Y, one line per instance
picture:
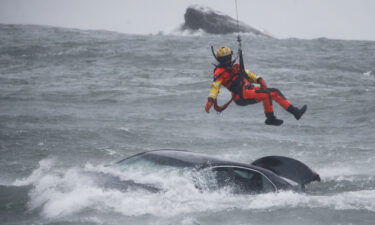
column 241, row 83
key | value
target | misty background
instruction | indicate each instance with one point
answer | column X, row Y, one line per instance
column 335, row 19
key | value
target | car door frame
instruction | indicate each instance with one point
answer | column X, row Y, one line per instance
column 246, row 168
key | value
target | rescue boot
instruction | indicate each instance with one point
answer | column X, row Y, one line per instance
column 272, row 120
column 297, row 113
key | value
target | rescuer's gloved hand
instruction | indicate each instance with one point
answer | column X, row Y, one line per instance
column 263, row 84
column 209, row 104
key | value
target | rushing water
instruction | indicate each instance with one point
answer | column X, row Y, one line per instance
column 73, row 101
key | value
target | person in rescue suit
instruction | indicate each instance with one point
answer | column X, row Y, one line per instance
column 228, row 74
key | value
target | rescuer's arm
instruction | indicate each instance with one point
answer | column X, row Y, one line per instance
column 215, row 89
column 256, row 79
column 263, row 84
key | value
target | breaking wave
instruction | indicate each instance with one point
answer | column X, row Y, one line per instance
column 60, row 192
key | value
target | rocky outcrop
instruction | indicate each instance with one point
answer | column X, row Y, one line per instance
column 214, row 22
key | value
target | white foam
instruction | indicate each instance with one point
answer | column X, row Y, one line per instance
column 368, row 73
column 332, row 172
column 44, row 166
column 183, row 32
column 126, row 129
column 341, row 173
column 60, row 192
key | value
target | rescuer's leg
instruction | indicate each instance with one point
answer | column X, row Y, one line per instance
column 297, row 113
column 272, row 120
column 265, row 97
column 287, row 105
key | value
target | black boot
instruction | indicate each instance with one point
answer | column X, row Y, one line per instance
column 296, row 111
column 272, row 120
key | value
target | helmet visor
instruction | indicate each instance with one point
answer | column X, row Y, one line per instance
column 225, row 60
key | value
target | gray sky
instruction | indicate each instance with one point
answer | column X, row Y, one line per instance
column 341, row 19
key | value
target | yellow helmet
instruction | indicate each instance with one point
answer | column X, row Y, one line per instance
column 224, row 51
column 224, row 56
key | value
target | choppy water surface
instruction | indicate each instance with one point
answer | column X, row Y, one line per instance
column 73, row 101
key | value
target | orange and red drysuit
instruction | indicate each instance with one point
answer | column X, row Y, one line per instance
column 243, row 90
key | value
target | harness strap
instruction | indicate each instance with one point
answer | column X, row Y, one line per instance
column 235, row 86
column 220, row 75
column 223, row 107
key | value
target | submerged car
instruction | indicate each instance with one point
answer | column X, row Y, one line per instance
column 267, row 174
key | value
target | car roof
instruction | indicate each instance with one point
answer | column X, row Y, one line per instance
column 192, row 159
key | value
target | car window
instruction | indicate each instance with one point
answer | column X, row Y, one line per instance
column 244, row 173
column 242, row 180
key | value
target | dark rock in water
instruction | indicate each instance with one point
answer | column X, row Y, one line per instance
column 214, row 22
